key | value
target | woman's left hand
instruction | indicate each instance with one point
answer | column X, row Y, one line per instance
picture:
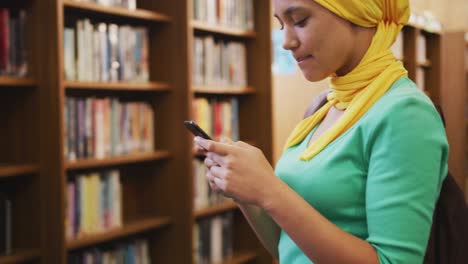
column 243, row 172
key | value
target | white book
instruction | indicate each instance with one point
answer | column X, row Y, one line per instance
column 69, row 54
column 208, row 60
column 88, row 51
column 132, row 4
column 211, row 12
column 216, row 240
column 96, row 58
column 199, row 62
column 249, row 15
column 80, row 51
column 104, row 51
column 114, row 52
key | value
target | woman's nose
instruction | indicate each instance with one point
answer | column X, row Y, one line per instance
column 290, row 41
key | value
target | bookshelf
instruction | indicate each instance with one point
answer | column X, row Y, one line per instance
column 20, row 256
column 118, row 86
column 9, row 170
column 222, row 30
column 157, row 185
column 16, row 82
column 254, row 103
column 466, row 117
column 435, row 61
column 20, row 176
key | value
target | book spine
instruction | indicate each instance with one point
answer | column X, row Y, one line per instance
column 4, row 40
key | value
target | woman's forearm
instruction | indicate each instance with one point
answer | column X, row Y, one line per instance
column 319, row 239
column 265, row 228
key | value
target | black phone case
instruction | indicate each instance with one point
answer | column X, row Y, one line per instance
column 196, row 130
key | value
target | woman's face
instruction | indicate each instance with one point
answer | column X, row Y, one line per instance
column 321, row 42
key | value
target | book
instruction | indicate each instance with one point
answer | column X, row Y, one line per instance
column 230, row 13
column 219, row 63
column 106, row 127
column 6, row 224
column 134, row 251
column 94, row 203
column 213, row 239
column 106, row 52
column 218, row 117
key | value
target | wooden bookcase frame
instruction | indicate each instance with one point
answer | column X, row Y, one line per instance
column 158, row 186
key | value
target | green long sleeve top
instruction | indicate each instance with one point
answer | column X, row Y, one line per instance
column 378, row 181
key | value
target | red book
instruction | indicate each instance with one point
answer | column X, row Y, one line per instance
column 4, row 40
column 218, row 120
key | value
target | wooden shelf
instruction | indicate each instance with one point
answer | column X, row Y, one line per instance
column 223, row 89
column 233, row 32
column 9, row 170
column 126, row 230
column 20, row 256
column 241, row 257
column 11, row 81
column 424, row 64
column 117, row 86
column 139, row 14
column 111, row 161
column 216, row 209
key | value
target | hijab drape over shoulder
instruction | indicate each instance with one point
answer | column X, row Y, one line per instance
column 363, row 86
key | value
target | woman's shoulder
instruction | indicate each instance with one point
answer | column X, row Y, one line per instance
column 403, row 100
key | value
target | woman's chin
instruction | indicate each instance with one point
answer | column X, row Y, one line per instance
column 314, row 76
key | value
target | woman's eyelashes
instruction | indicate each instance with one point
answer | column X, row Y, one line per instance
column 301, row 23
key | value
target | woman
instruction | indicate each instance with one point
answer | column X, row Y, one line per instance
column 358, row 180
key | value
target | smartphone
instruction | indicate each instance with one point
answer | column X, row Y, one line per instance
column 196, row 130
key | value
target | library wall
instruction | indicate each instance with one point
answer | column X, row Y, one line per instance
column 452, row 13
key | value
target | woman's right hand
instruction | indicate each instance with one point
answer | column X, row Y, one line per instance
column 199, row 150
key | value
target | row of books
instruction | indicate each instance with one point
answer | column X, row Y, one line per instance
column 204, row 196
column 13, row 58
column 136, row 252
column 128, row 4
column 106, row 52
column 218, row 117
column 106, row 127
column 230, row 13
column 94, row 203
column 5, row 225
column 213, row 239
column 218, row 62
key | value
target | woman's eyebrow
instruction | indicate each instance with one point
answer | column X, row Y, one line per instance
column 290, row 10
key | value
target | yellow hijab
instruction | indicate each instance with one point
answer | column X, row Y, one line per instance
column 362, row 87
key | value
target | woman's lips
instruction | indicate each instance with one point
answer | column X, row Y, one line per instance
column 303, row 59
